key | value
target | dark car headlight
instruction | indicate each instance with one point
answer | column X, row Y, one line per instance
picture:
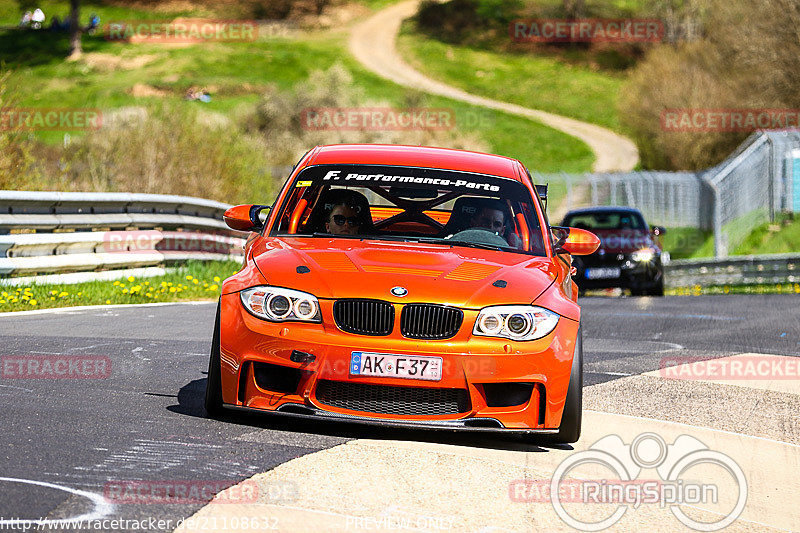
column 280, row 305
column 515, row 322
column 645, row 255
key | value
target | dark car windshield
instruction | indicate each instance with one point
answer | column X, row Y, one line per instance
column 601, row 220
column 411, row 204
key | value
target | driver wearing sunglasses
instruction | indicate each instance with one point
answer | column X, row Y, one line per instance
column 343, row 220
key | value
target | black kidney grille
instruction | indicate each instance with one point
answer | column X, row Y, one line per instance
column 427, row 321
column 364, row 317
column 390, row 400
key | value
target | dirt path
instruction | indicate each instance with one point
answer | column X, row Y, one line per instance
column 373, row 42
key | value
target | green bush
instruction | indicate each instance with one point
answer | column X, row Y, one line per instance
column 173, row 150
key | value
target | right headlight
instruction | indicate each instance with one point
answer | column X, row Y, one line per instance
column 515, row 322
column 279, row 305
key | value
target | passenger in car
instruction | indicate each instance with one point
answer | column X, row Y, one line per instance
column 493, row 218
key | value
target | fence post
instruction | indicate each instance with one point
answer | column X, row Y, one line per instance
column 719, row 246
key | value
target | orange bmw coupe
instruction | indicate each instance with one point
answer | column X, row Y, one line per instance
column 404, row 285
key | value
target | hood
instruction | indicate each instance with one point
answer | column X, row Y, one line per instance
column 350, row 268
column 623, row 241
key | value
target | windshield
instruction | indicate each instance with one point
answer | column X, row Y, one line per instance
column 411, row 204
column 603, row 220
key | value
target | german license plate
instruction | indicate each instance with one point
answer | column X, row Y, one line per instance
column 603, row 273
column 395, row 366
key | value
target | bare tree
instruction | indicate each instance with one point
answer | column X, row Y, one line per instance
column 574, row 9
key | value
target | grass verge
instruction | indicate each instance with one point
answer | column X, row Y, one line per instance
column 193, row 281
column 697, row 290
column 538, row 82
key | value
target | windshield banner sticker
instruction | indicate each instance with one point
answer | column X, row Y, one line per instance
column 337, row 176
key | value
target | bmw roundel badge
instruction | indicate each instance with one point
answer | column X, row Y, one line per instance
column 399, row 291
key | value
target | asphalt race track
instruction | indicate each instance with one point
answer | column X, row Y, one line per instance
column 144, row 421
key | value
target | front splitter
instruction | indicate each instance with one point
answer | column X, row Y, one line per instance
column 490, row 425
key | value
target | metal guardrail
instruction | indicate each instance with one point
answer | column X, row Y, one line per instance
column 734, row 270
column 66, row 232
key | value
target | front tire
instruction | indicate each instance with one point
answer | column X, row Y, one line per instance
column 658, row 288
column 213, row 402
column 570, row 429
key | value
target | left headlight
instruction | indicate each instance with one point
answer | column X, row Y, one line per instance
column 280, row 305
column 515, row 322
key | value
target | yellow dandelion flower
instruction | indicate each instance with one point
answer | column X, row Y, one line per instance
column 116, row 283
column 131, row 279
column 149, row 294
column 189, row 278
column 195, row 281
column 33, row 302
column 172, row 289
column 62, row 294
column 52, row 297
column 124, row 291
column 213, row 287
column 108, row 302
column 2, row 301
column 216, row 278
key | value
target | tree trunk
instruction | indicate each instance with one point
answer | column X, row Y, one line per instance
column 75, row 48
column 574, row 9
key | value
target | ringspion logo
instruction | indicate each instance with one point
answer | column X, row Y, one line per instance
column 610, row 472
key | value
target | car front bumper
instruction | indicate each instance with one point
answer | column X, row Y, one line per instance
column 476, row 369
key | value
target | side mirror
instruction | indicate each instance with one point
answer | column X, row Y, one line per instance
column 658, row 230
column 575, row 241
column 245, row 217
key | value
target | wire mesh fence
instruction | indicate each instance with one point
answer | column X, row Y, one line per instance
column 758, row 181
